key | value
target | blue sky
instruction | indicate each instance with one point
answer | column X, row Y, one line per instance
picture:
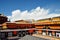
column 7, row 6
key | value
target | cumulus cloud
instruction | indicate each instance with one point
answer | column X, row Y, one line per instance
column 36, row 14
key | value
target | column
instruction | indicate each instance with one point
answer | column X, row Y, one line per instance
column 53, row 33
column 39, row 31
column 47, row 32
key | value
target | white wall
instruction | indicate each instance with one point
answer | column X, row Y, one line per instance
column 44, row 33
column 57, row 34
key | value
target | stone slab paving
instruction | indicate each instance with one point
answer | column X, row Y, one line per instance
column 29, row 37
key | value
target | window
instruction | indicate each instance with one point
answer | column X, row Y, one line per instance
column 10, row 34
column 2, row 35
column 46, row 27
column 0, row 27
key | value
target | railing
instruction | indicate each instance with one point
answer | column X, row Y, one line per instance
column 7, row 30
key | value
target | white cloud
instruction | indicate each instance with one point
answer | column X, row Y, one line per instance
column 38, row 13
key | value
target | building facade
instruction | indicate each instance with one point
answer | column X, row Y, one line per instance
column 50, row 26
column 17, row 28
column 20, row 28
column 3, row 19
